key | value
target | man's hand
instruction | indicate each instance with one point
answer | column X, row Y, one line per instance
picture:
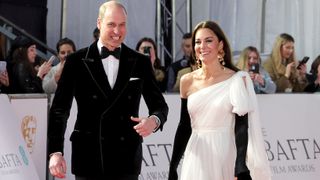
column 145, row 125
column 57, row 165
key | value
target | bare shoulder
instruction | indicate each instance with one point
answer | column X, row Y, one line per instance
column 185, row 84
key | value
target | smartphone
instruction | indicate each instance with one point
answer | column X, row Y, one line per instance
column 303, row 61
column 52, row 58
column 3, row 66
column 146, row 50
column 254, row 68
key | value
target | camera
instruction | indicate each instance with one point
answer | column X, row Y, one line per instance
column 303, row 61
column 146, row 50
column 254, row 68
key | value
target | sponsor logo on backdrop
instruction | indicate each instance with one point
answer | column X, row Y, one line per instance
column 284, row 154
column 11, row 162
column 156, row 155
column 29, row 130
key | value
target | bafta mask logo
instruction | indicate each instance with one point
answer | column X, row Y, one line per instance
column 29, row 129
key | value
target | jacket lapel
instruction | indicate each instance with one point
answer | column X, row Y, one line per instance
column 95, row 67
column 96, row 70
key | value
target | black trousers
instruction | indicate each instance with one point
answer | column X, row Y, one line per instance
column 122, row 177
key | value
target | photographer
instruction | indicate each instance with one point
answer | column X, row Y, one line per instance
column 249, row 60
column 148, row 47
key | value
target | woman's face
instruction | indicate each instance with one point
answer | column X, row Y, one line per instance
column 64, row 50
column 32, row 53
column 287, row 50
column 207, row 46
column 252, row 58
column 151, row 48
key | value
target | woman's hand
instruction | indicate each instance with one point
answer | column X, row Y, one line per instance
column 4, row 78
column 289, row 68
column 44, row 69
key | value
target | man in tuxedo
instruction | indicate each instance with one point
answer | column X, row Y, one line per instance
column 107, row 80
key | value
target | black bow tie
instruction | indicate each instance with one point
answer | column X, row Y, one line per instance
column 105, row 52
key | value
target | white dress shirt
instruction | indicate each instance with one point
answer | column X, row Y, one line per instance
column 110, row 66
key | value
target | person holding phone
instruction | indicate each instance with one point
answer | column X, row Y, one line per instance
column 282, row 66
column 250, row 61
column 65, row 46
column 24, row 78
column 148, row 47
column 4, row 78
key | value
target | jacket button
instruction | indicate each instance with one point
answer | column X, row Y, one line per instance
column 129, row 97
column 121, row 138
column 121, row 118
column 94, row 97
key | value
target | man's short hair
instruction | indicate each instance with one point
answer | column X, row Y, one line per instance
column 187, row 36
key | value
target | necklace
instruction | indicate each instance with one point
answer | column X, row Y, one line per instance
column 207, row 75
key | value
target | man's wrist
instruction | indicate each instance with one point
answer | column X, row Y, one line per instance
column 157, row 121
column 55, row 153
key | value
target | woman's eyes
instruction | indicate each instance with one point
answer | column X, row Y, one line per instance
column 206, row 41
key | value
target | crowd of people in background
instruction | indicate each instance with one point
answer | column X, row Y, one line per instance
column 22, row 71
column 218, row 99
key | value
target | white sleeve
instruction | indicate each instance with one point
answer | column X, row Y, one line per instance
column 244, row 100
column 239, row 94
column 49, row 84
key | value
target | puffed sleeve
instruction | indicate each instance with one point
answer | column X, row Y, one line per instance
column 239, row 93
column 244, row 100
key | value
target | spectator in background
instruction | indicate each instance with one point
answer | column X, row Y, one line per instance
column 314, row 77
column 148, row 47
column 175, row 67
column 64, row 47
column 282, row 66
column 4, row 78
column 250, row 61
column 192, row 67
column 24, row 78
column 96, row 34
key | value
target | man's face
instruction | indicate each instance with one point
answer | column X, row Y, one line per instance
column 112, row 27
column 187, row 47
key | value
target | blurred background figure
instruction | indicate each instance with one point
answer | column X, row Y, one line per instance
column 24, row 78
column 96, row 34
column 314, row 77
column 148, row 47
column 192, row 66
column 175, row 67
column 64, row 47
column 250, row 61
column 4, row 78
column 282, row 66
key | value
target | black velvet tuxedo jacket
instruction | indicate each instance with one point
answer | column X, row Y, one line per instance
column 103, row 140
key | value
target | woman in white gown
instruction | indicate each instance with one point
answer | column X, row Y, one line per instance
column 219, row 131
